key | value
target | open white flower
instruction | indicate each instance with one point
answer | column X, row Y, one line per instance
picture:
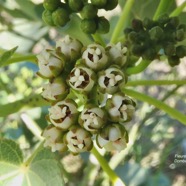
column 63, row 114
column 53, row 139
column 78, row 140
column 95, row 57
column 120, row 108
column 113, row 137
column 81, row 78
column 118, row 53
column 49, row 63
column 110, row 79
column 92, row 118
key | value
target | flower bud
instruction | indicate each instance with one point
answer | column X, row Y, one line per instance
column 51, row 5
column 78, row 140
column 47, row 17
column 63, row 114
column 94, row 56
column 111, row 4
column 110, row 79
column 99, row 3
column 88, row 26
column 55, row 90
column 92, row 118
column 103, row 25
column 81, row 79
column 170, row 49
column 180, row 35
column 113, row 137
column 117, row 54
column 75, row 5
column 120, row 108
column 137, row 25
column 156, row 33
column 60, row 17
column 89, row 11
column 50, row 64
column 181, row 51
column 54, row 139
column 70, row 47
column 173, row 60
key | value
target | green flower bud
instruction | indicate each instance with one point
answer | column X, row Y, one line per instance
column 137, row 50
column 180, row 35
column 70, row 47
column 173, row 60
column 63, row 114
column 55, row 90
column 149, row 54
column 110, row 79
column 111, row 4
column 156, row 33
column 89, row 11
column 182, row 26
column 137, row 25
column 99, row 3
column 133, row 36
column 120, row 108
column 170, row 49
column 50, row 64
column 47, row 17
column 78, row 140
column 113, row 137
column 127, row 31
column 60, row 17
column 117, row 53
column 92, row 118
column 51, row 5
column 181, row 51
column 88, row 26
column 94, row 56
column 75, row 5
column 148, row 23
column 81, row 79
column 54, row 139
column 174, row 21
column 103, row 25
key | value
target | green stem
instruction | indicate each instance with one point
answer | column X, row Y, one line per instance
column 155, row 82
column 104, row 164
column 162, row 8
column 31, row 58
column 29, row 160
column 121, row 24
column 97, row 38
column 25, row 103
column 159, row 104
column 138, row 68
column 178, row 10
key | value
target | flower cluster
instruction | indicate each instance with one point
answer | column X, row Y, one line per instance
column 57, row 13
column 150, row 39
column 84, row 91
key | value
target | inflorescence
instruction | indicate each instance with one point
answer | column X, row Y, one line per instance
column 58, row 13
column 84, row 91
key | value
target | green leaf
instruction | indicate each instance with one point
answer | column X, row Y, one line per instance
column 6, row 56
column 10, row 152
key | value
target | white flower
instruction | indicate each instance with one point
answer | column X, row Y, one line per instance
column 81, row 78
column 113, row 137
column 120, row 108
column 78, row 140
column 63, row 114
column 53, row 139
column 92, row 118
column 49, row 63
column 110, row 79
column 118, row 53
column 95, row 57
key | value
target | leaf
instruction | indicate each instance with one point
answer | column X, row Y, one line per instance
column 10, row 152
column 43, row 170
column 6, row 56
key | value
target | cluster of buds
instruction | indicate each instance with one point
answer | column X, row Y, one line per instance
column 58, row 13
column 150, row 39
column 84, row 91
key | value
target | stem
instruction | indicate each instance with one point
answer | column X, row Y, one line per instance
column 29, row 160
column 156, row 82
column 178, row 10
column 159, row 104
column 122, row 20
column 138, row 68
column 162, row 8
column 104, row 164
column 97, row 38
column 31, row 58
